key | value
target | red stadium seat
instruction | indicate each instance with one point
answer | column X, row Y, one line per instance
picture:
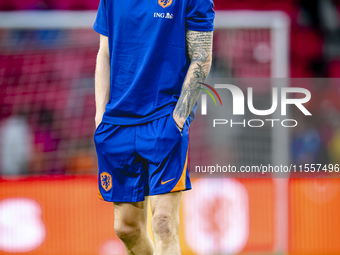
column 306, row 44
column 92, row 4
column 28, row 4
column 74, row 4
column 298, row 70
column 6, row 5
column 286, row 6
column 236, row 5
column 334, row 69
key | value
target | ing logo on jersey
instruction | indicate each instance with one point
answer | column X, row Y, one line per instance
column 106, row 181
column 164, row 3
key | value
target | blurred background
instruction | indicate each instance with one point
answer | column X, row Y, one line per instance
column 48, row 183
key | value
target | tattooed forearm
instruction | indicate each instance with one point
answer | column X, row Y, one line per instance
column 199, row 49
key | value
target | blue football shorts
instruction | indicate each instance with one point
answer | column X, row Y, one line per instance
column 142, row 160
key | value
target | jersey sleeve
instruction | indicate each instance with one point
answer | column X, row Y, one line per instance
column 200, row 15
column 100, row 25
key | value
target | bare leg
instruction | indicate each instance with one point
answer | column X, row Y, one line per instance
column 165, row 223
column 131, row 227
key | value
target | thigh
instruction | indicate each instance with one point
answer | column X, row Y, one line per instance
column 132, row 215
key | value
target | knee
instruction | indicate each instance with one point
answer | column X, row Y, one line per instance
column 165, row 226
column 127, row 233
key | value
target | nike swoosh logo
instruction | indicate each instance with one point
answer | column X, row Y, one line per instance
column 167, row 181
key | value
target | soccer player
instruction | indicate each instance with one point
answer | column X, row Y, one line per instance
column 152, row 59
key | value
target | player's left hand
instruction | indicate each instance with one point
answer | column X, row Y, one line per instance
column 179, row 122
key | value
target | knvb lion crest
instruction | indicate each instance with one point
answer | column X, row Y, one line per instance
column 106, row 181
column 164, row 3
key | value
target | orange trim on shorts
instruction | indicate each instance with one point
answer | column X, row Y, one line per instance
column 181, row 182
column 100, row 195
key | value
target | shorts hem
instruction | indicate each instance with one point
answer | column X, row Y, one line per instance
column 122, row 200
column 166, row 192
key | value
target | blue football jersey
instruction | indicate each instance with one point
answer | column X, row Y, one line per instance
column 148, row 54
